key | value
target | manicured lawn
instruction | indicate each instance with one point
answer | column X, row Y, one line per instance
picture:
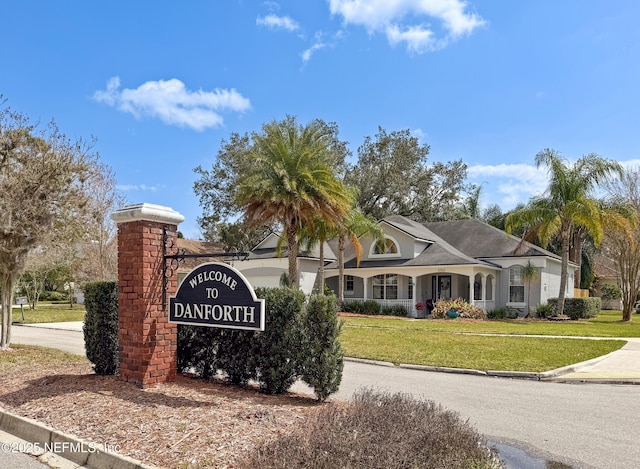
column 606, row 324
column 453, row 344
column 49, row 313
column 27, row 356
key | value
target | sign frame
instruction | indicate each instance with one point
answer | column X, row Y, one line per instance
column 215, row 294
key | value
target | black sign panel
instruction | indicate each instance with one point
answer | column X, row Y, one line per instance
column 217, row 295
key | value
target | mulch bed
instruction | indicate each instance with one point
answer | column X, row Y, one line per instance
column 187, row 423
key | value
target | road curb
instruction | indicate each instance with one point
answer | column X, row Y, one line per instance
column 84, row 453
column 554, row 375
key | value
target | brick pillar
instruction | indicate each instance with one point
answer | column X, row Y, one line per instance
column 148, row 343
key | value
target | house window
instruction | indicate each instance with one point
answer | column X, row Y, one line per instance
column 348, row 283
column 516, row 285
column 488, row 293
column 477, row 287
column 410, row 287
column 388, row 247
column 385, row 287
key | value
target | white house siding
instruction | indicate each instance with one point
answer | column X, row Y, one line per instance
column 260, row 276
column 307, row 274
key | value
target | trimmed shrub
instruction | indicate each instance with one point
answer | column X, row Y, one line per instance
column 578, row 308
column 394, row 310
column 324, row 358
column 53, row 296
column 464, row 309
column 610, row 292
column 296, row 342
column 545, row 311
column 370, row 307
column 234, row 359
column 378, row 431
column 198, row 350
column 500, row 313
column 101, row 326
column 277, row 351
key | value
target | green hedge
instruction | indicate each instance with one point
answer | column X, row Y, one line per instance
column 373, row 308
column 101, row 326
column 299, row 341
column 579, row 308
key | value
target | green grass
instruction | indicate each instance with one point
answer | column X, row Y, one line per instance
column 453, row 343
column 606, row 324
column 49, row 313
column 24, row 356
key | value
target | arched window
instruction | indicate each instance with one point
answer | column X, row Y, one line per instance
column 488, row 291
column 516, row 285
column 389, row 246
column 477, row 287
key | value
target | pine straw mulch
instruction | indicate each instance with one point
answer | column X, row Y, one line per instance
column 187, row 423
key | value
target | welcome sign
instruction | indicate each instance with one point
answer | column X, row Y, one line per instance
column 217, row 295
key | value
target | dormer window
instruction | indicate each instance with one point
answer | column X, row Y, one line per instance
column 388, row 248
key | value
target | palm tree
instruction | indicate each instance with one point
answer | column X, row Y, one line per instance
column 320, row 233
column 356, row 224
column 293, row 182
column 566, row 205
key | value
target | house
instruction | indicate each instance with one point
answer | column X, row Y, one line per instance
column 265, row 264
column 465, row 259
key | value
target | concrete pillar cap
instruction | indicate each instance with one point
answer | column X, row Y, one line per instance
column 147, row 212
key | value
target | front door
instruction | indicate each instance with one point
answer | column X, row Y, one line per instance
column 441, row 286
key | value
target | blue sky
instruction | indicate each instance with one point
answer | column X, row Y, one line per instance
column 161, row 83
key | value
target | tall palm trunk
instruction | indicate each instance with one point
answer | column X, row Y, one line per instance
column 321, row 271
column 292, row 245
column 564, row 269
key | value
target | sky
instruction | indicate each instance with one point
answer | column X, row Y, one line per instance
column 492, row 83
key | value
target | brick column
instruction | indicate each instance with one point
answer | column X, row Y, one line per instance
column 147, row 342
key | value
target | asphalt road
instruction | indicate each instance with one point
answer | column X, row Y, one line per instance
column 584, row 425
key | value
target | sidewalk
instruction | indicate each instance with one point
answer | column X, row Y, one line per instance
column 63, row 326
column 619, row 367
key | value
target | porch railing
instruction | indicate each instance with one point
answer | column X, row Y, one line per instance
column 487, row 305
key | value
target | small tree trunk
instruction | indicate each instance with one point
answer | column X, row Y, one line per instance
column 341, row 243
column 7, row 299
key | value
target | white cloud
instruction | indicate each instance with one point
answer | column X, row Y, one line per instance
column 401, row 20
column 418, row 39
column 307, row 53
column 278, row 22
column 172, row 103
column 138, row 187
column 509, row 184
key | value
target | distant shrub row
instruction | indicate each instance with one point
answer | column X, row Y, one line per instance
column 373, row 308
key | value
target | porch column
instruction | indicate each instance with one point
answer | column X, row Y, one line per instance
column 366, row 288
column 414, row 311
column 472, row 281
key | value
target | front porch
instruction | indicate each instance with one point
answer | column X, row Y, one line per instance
column 393, row 289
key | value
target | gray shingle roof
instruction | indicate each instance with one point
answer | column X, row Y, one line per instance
column 482, row 241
